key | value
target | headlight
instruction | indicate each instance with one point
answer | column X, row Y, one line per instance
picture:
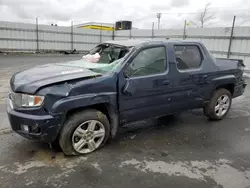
column 31, row 100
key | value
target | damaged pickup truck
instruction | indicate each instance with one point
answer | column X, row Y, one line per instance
column 80, row 104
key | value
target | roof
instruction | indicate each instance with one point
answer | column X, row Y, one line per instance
column 127, row 43
column 136, row 42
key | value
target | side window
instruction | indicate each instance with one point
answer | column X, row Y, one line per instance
column 147, row 62
column 187, row 57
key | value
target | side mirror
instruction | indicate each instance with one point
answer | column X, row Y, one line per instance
column 128, row 89
column 126, row 74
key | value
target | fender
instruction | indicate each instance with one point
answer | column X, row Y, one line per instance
column 73, row 102
column 114, row 120
column 217, row 82
column 223, row 80
column 108, row 98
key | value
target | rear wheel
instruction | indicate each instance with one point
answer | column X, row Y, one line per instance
column 84, row 132
column 219, row 105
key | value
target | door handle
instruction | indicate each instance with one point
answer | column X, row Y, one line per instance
column 204, row 76
column 166, row 82
column 203, row 79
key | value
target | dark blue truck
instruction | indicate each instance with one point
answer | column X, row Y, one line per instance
column 81, row 104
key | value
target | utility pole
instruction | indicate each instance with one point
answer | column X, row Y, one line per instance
column 153, row 25
column 37, row 37
column 184, row 31
column 113, row 33
column 101, row 34
column 72, row 37
column 231, row 38
column 158, row 15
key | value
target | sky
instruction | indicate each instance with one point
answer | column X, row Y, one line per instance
column 141, row 12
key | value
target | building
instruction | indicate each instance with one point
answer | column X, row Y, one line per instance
column 96, row 25
column 119, row 25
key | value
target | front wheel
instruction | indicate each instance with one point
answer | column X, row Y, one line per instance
column 84, row 132
column 219, row 105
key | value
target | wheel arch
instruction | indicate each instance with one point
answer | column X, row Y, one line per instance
column 229, row 87
column 106, row 108
column 227, row 82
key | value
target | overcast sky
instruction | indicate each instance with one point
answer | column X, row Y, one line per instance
column 141, row 12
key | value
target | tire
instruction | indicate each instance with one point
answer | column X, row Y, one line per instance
column 210, row 109
column 79, row 121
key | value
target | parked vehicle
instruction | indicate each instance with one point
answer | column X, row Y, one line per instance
column 81, row 104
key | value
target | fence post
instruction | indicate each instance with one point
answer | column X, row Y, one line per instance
column 184, row 30
column 72, row 36
column 153, row 30
column 101, row 34
column 231, row 38
column 37, row 36
column 113, row 33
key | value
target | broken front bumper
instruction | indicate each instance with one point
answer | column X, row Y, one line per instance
column 43, row 127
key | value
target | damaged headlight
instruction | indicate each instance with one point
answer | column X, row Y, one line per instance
column 25, row 100
column 31, row 100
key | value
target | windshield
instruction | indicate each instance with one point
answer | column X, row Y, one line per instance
column 96, row 67
column 109, row 53
column 104, row 58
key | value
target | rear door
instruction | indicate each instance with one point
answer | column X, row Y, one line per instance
column 191, row 80
column 144, row 85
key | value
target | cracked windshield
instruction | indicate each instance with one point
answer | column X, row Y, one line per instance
column 118, row 94
column 102, row 59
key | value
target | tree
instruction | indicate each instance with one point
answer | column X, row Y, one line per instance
column 202, row 20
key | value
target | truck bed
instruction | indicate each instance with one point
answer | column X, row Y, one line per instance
column 229, row 64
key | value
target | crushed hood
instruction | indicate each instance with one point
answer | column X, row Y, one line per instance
column 29, row 81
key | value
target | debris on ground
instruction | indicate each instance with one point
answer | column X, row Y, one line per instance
column 133, row 137
column 70, row 52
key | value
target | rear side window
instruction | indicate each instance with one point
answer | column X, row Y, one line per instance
column 187, row 57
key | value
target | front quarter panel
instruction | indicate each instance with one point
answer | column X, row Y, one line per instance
column 54, row 93
column 82, row 93
column 70, row 103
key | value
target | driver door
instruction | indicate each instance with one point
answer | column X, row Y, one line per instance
column 144, row 87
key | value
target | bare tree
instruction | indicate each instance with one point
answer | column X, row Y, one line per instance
column 202, row 20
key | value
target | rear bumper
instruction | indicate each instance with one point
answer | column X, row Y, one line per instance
column 239, row 88
column 43, row 128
